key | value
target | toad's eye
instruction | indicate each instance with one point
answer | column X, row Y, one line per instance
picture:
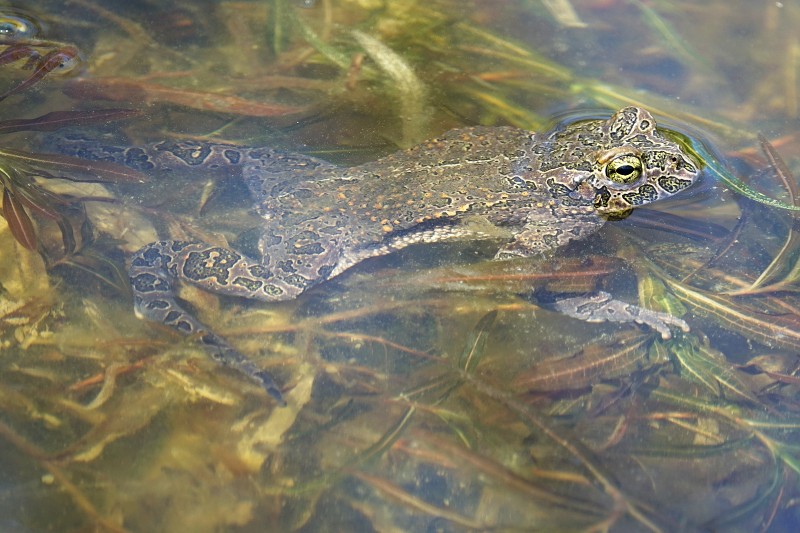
column 624, row 169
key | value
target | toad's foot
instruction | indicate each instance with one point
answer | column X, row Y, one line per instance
column 601, row 307
column 227, row 355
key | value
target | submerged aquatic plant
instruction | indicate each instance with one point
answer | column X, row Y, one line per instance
column 20, row 43
column 24, row 197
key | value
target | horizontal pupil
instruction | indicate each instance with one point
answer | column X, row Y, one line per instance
column 625, row 170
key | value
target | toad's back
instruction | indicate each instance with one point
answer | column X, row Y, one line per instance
column 425, row 191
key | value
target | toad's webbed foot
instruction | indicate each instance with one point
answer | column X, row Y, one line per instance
column 601, row 307
column 227, row 355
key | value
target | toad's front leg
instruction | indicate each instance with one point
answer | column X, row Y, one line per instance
column 540, row 235
column 601, row 307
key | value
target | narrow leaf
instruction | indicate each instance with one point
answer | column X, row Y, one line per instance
column 588, row 367
column 128, row 90
column 781, row 168
column 789, row 247
column 76, row 169
column 732, row 182
column 768, row 329
column 38, row 200
column 62, row 119
column 53, row 60
column 705, row 365
column 19, row 222
column 477, row 342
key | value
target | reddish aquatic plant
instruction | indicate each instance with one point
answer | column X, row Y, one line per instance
column 41, row 57
column 19, row 35
column 23, row 196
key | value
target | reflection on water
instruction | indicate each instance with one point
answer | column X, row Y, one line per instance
column 426, row 390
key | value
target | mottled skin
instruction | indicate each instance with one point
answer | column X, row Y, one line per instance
column 532, row 192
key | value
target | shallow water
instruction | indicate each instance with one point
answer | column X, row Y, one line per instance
column 414, row 381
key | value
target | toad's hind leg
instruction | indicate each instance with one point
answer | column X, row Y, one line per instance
column 156, row 267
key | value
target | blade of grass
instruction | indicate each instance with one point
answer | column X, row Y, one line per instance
column 792, row 242
column 476, row 342
column 75, row 169
column 19, row 223
column 61, row 119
